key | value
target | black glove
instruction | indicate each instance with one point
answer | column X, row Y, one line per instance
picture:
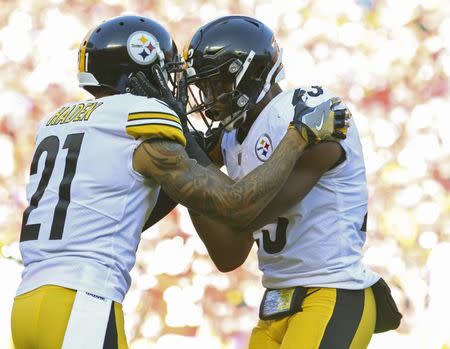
column 212, row 138
column 140, row 85
column 195, row 150
column 208, row 141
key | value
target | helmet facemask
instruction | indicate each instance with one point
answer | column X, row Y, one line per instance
column 218, row 96
column 232, row 61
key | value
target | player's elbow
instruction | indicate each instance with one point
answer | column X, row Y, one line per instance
column 226, row 267
column 226, row 261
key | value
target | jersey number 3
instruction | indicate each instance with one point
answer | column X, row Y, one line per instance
column 50, row 145
column 277, row 245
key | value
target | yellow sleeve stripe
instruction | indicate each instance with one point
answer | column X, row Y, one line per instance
column 155, row 125
column 155, row 121
column 157, row 130
column 153, row 115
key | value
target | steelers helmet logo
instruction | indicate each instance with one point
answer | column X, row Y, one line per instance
column 142, row 47
column 263, row 147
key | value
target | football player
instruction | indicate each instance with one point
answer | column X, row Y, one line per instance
column 310, row 236
column 96, row 172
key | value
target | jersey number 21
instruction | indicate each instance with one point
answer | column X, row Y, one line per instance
column 50, row 145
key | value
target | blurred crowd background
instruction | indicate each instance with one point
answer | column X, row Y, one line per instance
column 388, row 59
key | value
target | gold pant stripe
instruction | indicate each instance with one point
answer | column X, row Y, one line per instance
column 120, row 325
column 39, row 318
column 367, row 324
column 346, row 320
column 308, row 328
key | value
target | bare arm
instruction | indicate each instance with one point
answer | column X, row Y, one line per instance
column 314, row 162
column 228, row 247
column 205, row 192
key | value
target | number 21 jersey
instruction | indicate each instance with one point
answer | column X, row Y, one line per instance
column 87, row 204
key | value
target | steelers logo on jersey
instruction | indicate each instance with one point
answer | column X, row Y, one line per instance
column 142, row 47
column 263, row 147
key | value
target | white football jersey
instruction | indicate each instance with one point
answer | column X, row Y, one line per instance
column 319, row 241
column 87, row 203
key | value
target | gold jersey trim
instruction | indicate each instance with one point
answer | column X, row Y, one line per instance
column 155, row 125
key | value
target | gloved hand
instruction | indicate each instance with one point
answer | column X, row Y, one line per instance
column 211, row 139
column 209, row 142
column 140, row 85
column 194, row 148
column 322, row 122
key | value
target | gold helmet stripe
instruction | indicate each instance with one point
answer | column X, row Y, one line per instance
column 82, row 56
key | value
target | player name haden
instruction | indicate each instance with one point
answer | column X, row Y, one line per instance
column 73, row 113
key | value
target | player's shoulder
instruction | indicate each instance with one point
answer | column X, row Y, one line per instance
column 130, row 103
column 151, row 117
column 139, row 110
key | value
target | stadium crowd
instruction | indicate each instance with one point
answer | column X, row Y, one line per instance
column 389, row 60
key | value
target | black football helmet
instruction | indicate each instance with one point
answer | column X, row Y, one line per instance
column 120, row 46
column 233, row 61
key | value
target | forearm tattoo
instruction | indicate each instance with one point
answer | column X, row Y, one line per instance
column 205, row 192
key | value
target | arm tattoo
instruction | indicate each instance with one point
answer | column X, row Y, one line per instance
column 166, row 156
column 208, row 193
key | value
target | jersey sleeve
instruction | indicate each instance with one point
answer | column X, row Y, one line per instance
column 153, row 119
